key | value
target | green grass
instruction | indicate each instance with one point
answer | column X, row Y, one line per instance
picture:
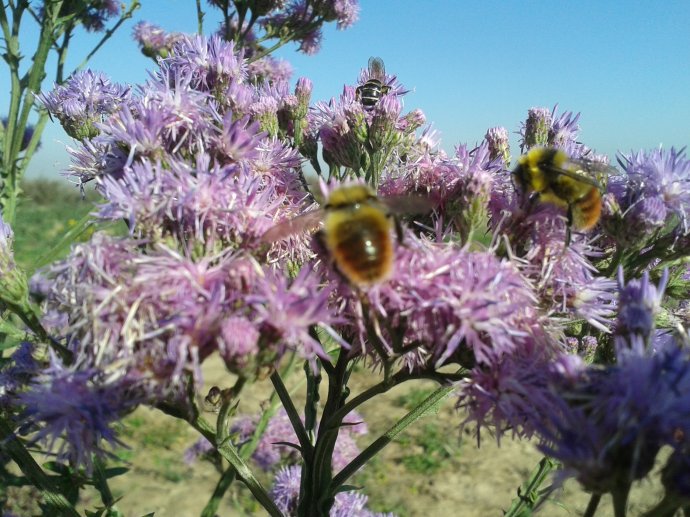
column 46, row 211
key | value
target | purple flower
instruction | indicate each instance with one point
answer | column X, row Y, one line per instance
column 208, row 65
column 441, row 302
column 75, row 412
column 535, row 131
column 92, row 14
column 499, row 147
column 651, row 179
column 85, row 99
column 607, row 426
column 153, row 40
column 515, row 393
column 286, row 488
column 639, row 302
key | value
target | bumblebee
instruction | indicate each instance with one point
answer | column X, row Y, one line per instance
column 356, row 227
column 549, row 175
column 370, row 92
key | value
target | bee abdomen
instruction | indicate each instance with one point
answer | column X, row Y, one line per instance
column 370, row 93
column 362, row 251
column 587, row 210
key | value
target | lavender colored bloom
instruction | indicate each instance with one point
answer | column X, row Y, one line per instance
column 499, row 147
column 651, row 179
column 535, row 131
column 445, row 301
column 76, row 412
column 607, row 426
column 85, row 99
column 92, row 14
column 285, row 489
column 16, row 373
column 208, row 65
column 285, row 493
column 202, row 447
column 153, row 40
column 515, row 394
column 639, row 302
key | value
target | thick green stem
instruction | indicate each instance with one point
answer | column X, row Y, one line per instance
column 33, row 471
column 430, row 403
column 592, row 505
column 529, row 493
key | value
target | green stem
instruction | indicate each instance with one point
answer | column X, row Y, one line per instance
column 33, row 472
column 199, row 17
column 620, row 500
column 228, row 451
column 386, row 385
column 101, row 484
column 431, row 402
column 109, row 33
column 226, row 479
column 529, row 494
column 592, row 505
column 292, row 413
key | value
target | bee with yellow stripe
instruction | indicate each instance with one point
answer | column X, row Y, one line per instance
column 356, row 228
column 549, row 175
column 371, row 91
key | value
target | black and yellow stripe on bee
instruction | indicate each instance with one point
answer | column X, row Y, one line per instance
column 371, row 92
column 561, row 181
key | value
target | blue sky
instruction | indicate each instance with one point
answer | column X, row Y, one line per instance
column 472, row 65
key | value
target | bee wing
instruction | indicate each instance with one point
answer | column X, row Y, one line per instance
column 302, row 223
column 408, row 204
column 584, row 174
column 377, row 70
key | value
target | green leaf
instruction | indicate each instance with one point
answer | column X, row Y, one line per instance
column 82, row 226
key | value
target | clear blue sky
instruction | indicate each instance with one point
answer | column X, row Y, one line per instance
column 625, row 65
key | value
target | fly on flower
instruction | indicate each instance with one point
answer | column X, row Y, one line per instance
column 549, row 175
column 356, row 227
column 371, row 91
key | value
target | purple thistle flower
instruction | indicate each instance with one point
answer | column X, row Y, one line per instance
column 154, row 41
column 239, row 342
column 92, row 14
column 286, row 488
column 16, row 373
column 286, row 312
column 238, row 139
column 607, row 426
column 85, row 99
column 75, row 412
column 269, row 69
column 310, row 42
column 447, row 300
column 199, row 449
column 535, row 130
column 499, row 147
column 639, row 302
column 650, row 178
column 515, row 393
column 346, row 13
column 208, row 65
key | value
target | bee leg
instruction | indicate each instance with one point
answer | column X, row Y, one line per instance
column 398, row 229
column 358, row 93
